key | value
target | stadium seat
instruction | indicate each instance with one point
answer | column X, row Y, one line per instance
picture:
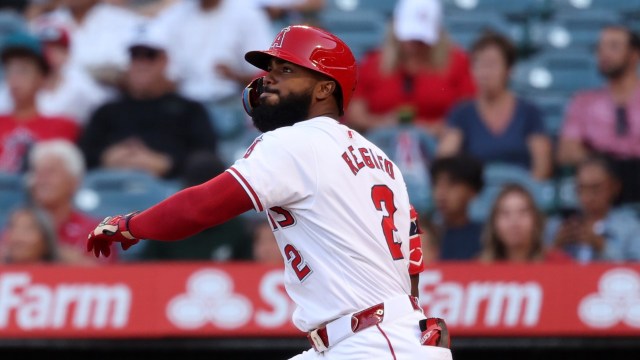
column 362, row 30
column 572, row 29
column 556, row 72
column 465, row 27
column 105, row 192
column 552, row 108
column 496, row 175
column 627, row 8
column 384, row 7
column 12, row 193
column 511, row 9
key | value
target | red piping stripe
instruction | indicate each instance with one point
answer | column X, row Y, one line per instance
column 252, row 193
column 393, row 353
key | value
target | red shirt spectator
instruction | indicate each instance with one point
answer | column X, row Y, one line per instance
column 25, row 68
column 430, row 92
column 417, row 73
column 17, row 136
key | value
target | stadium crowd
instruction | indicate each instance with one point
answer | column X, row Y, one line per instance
column 113, row 90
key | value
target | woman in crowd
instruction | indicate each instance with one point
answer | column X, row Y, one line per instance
column 515, row 229
column 418, row 73
column 497, row 126
column 29, row 237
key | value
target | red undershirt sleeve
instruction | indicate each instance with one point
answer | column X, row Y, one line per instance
column 192, row 210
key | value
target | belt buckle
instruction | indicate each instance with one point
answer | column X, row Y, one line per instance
column 316, row 341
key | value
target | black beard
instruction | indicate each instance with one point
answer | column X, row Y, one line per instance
column 288, row 111
column 615, row 72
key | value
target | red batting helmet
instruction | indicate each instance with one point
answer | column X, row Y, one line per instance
column 314, row 49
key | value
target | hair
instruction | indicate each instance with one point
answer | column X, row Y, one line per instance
column 71, row 155
column 492, row 38
column 47, row 229
column 27, row 54
column 634, row 37
column 494, row 249
column 438, row 57
column 461, row 168
column 600, row 161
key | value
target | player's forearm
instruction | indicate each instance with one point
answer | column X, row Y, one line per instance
column 192, row 210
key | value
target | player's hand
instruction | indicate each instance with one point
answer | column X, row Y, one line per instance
column 111, row 229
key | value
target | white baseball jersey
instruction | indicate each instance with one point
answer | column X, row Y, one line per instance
column 339, row 210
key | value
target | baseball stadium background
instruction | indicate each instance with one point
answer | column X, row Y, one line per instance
column 238, row 310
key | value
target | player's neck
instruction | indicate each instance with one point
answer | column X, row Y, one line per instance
column 331, row 114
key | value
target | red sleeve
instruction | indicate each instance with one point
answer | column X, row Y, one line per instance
column 192, row 210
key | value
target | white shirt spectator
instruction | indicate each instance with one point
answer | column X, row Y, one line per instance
column 101, row 39
column 204, row 39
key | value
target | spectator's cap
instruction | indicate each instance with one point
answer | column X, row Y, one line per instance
column 54, row 35
column 148, row 36
column 417, row 20
column 24, row 44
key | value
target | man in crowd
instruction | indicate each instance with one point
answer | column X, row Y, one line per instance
column 606, row 121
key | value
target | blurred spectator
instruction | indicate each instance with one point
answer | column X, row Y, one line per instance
column 67, row 91
column 30, row 238
column 210, row 37
column 607, row 120
column 26, row 69
column 265, row 247
column 56, row 170
column 514, row 231
column 99, row 32
column 457, row 180
column 597, row 230
column 417, row 69
column 226, row 242
column 498, row 126
column 149, row 127
column 287, row 12
column 35, row 8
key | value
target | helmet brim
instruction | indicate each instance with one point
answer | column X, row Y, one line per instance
column 259, row 59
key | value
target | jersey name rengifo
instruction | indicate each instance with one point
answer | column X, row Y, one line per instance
column 339, row 210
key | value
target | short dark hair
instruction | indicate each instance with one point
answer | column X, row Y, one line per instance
column 461, row 168
column 634, row 37
column 600, row 161
column 493, row 38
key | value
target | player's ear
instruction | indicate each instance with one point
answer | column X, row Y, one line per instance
column 325, row 89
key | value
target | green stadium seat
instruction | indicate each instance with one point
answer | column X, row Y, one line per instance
column 465, row 27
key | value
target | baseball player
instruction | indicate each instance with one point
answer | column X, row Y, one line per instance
column 337, row 205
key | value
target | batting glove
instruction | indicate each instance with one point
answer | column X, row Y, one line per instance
column 111, row 229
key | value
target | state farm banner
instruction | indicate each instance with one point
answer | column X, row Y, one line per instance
column 245, row 299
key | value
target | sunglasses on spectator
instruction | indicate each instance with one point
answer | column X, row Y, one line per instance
column 144, row 53
column 622, row 121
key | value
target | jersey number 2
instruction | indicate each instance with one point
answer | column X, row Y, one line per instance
column 382, row 198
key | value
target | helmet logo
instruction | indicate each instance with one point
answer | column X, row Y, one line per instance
column 277, row 43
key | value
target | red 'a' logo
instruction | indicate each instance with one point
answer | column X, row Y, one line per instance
column 253, row 145
column 277, row 43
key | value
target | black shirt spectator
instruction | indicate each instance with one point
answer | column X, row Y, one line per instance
column 149, row 127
